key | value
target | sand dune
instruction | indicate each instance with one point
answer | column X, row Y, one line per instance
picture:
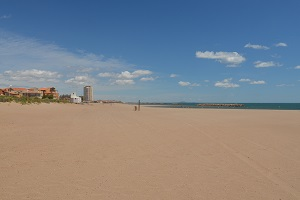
column 55, row 151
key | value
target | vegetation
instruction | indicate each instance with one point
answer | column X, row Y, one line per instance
column 65, row 96
column 50, row 96
column 29, row 100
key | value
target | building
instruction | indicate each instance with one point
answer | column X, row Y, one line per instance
column 33, row 92
column 50, row 92
column 15, row 92
column 88, row 93
column 74, row 98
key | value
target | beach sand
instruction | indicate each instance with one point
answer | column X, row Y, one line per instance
column 96, row 151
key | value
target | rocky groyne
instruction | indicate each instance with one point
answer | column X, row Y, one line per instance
column 231, row 105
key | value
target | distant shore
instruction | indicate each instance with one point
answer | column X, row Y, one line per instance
column 257, row 106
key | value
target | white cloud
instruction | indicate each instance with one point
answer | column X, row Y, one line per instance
column 80, row 80
column 297, row 67
column 139, row 73
column 184, row 84
column 257, row 82
column 226, row 83
column 32, row 75
column 285, row 85
column 18, row 52
column 107, row 75
column 256, row 46
column 230, row 58
column 252, row 82
column 261, row 64
column 147, row 79
column 173, row 75
column 124, row 82
column 128, row 75
column 244, row 80
column 135, row 74
column 281, row 44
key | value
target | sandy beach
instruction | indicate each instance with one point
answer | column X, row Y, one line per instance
column 96, row 151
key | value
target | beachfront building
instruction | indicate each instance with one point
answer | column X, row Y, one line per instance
column 16, row 92
column 88, row 93
column 50, row 92
column 30, row 92
column 74, row 98
column 33, row 92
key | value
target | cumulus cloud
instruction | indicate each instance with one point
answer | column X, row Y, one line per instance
column 124, row 82
column 32, row 75
column 126, row 74
column 257, row 82
column 80, row 80
column 147, row 79
column 126, row 77
column 252, row 82
column 256, row 46
column 281, row 44
column 139, row 73
column 297, row 67
column 261, row 64
column 230, row 58
column 244, row 80
column 226, row 83
column 173, row 75
column 184, row 84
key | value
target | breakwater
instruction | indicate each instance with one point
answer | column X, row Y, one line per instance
column 232, row 105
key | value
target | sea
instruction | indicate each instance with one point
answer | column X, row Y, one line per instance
column 259, row 106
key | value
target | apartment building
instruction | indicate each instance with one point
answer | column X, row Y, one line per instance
column 88, row 93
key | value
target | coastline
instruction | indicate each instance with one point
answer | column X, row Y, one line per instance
column 104, row 151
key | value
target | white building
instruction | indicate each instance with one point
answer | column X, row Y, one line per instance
column 75, row 98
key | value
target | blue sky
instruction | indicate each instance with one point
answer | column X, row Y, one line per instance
column 154, row 51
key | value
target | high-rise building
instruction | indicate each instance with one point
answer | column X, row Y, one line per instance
column 87, row 93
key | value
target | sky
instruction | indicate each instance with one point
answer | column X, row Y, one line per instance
column 154, row 51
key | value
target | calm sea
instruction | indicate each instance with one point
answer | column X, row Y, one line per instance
column 266, row 106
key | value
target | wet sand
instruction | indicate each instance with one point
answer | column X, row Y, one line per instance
column 65, row 151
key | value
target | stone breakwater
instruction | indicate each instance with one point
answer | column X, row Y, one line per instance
column 220, row 105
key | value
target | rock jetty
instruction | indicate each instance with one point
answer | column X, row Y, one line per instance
column 221, row 105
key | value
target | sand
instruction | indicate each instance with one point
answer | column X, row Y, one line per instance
column 56, row 151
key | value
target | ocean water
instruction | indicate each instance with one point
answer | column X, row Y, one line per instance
column 265, row 106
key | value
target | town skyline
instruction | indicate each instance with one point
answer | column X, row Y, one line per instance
column 171, row 51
